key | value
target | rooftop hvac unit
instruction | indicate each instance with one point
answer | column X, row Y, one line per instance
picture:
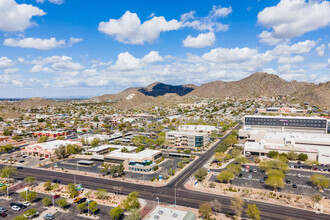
column 160, row 212
column 156, row 216
column 175, row 215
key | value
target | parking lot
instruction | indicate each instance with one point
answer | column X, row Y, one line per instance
column 24, row 162
column 304, row 186
column 102, row 213
column 70, row 164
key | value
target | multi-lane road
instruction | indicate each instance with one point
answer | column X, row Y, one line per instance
column 166, row 194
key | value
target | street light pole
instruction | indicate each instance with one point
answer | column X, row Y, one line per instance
column 175, row 195
column 157, row 201
column 7, row 189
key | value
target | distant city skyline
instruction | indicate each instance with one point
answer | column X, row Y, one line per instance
column 78, row 48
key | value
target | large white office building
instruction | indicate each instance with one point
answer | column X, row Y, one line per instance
column 306, row 135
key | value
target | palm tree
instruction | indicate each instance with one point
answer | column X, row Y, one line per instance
column 105, row 168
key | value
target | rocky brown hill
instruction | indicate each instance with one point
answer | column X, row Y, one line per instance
column 259, row 84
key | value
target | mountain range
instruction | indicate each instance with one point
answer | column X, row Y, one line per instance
column 259, row 84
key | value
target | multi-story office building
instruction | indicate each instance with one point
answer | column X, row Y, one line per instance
column 187, row 140
column 287, row 123
column 198, row 128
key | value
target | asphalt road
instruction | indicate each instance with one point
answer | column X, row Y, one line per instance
column 166, row 194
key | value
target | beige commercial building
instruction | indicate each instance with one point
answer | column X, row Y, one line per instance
column 186, row 140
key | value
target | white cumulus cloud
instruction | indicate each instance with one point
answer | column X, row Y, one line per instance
column 295, row 59
column 6, row 63
column 11, row 70
column 35, row 43
column 128, row 29
column 17, row 17
column 320, row 50
column 292, row 18
column 57, row 2
column 202, row 40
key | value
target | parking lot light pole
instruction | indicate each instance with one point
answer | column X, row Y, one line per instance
column 88, row 207
column 157, row 201
column 7, row 189
column 53, row 197
column 26, row 190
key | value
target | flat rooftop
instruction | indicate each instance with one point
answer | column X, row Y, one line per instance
column 279, row 116
column 167, row 213
column 54, row 144
column 139, row 156
column 186, row 133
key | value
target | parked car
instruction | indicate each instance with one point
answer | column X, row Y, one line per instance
column 240, row 175
column 250, row 176
column 49, row 216
column 298, row 162
column 56, row 196
column 299, row 175
column 26, row 203
column 25, row 156
column 13, row 204
column 3, row 214
column 294, row 185
column 21, row 161
column 2, row 209
column 15, row 208
column 288, row 181
column 82, row 200
column 262, row 181
column 21, row 205
column 76, row 199
column 254, row 170
column 56, row 181
column 41, row 158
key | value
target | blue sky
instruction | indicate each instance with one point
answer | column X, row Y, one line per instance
column 58, row 48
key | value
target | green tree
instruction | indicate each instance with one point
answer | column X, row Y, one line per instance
column 200, row 174
column 93, row 207
column 124, row 150
column 105, row 168
column 273, row 154
column 219, row 156
column 101, row 193
column 116, row 213
column 8, row 172
column 236, row 152
column 46, row 201
column 60, row 138
column 320, row 181
column 139, row 148
column 48, row 185
column 30, row 212
column 95, row 142
column 62, row 203
column 237, row 204
column 171, row 172
column 42, row 139
column 225, row 176
column 72, row 190
column 275, row 182
column 253, row 212
column 205, row 210
column 292, row 155
column 134, row 214
column 61, row 152
column 303, row 157
column 30, row 196
column 30, row 180
column 82, row 207
column 131, row 201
